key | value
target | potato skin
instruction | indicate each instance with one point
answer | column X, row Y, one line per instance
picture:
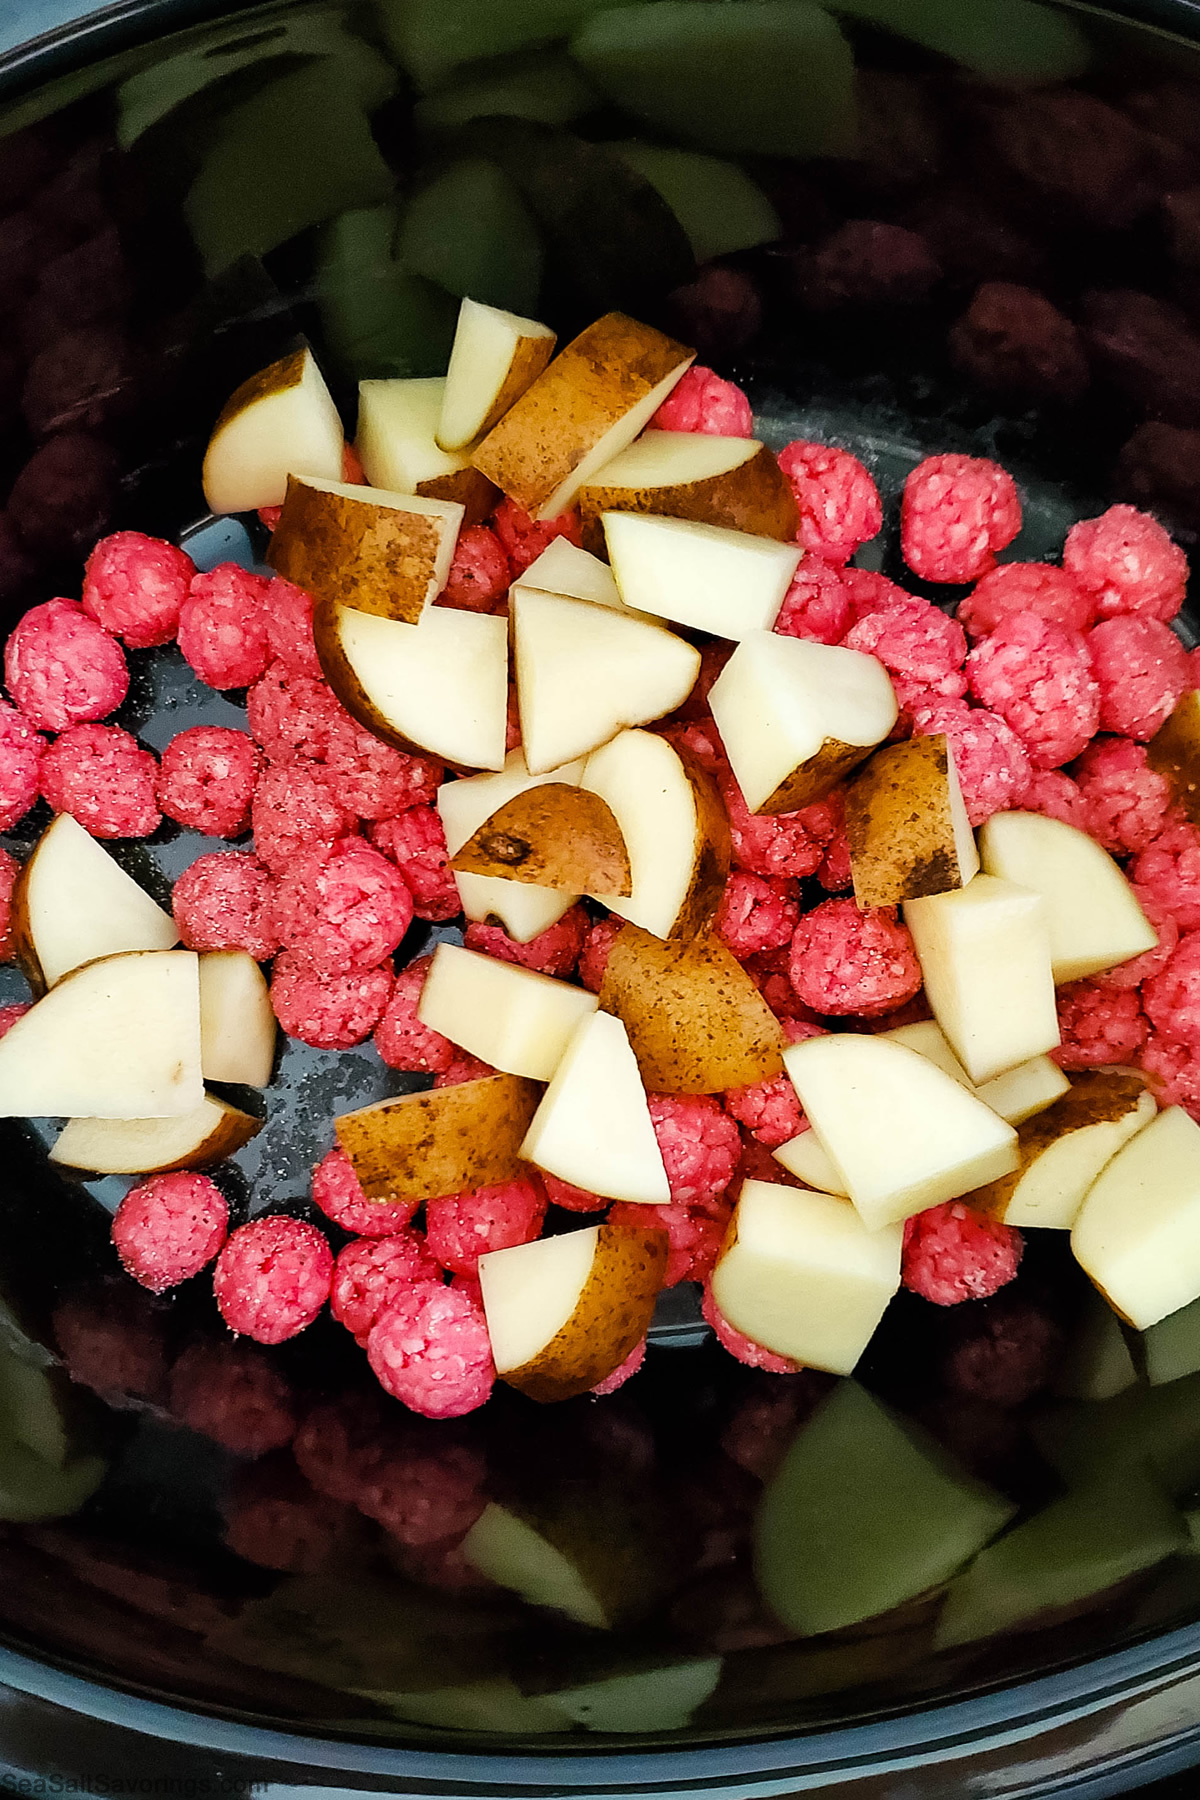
column 234, row 1129
column 899, row 824
column 695, row 1020
column 754, row 497
column 335, row 665
column 612, row 1316
column 1095, row 1097
column 816, row 777
column 276, row 378
column 555, row 836
column 598, row 378
column 473, row 492
column 710, row 870
column 1174, row 753
column 444, row 1141
column 355, row 553
column 24, row 954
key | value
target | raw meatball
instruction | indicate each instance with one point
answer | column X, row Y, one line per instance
column 375, row 781
column 371, row 1272
column 989, row 758
column 702, row 401
column 1126, row 803
column 755, row 914
column 328, row 1011
column 694, row 1235
column 849, row 961
column 1099, row 1025
column 1055, row 796
column 1172, row 997
column 400, row 1038
column 461, row 1227
column 1141, row 669
column 554, row 951
column 226, row 901
column 1169, row 870
column 572, row 1199
column 62, row 669
column 1128, row 564
column 952, row 1254
column 134, row 586
column 840, row 508
column 593, row 958
column 294, row 716
column 1040, row 588
column 957, row 511
column 770, row 1110
column 1174, row 1070
column 416, row 843
column 10, row 868
column 744, row 1348
column 234, row 1395
column 524, row 538
column 424, row 1488
column 479, row 574
column 338, row 1193
column 272, row 1278
column 344, row 907
column 223, row 626
column 206, row 780
column 21, row 751
column 430, row 1350
column 169, row 1228
column 920, row 647
column 1014, row 340
column 622, row 1373
column 104, row 779
column 699, row 1145
column 1038, row 677
column 294, row 809
column 785, row 846
column 289, row 618
column 817, row 605
column 1131, row 974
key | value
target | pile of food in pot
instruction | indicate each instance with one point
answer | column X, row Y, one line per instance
column 821, row 938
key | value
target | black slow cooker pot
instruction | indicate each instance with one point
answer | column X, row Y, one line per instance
column 904, row 226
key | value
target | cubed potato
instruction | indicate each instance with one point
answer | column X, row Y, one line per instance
column 985, row 956
column 557, row 836
column 195, row 1140
column 593, row 1126
column 928, row 1039
column 907, row 826
column 703, row 576
column 1019, row 1093
column 1064, row 1147
column 563, row 568
column 280, row 422
column 1137, row 1234
column 801, row 1275
column 511, row 1017
column 379, row 552
column 445, row 1141
column 809, row 1161
column 524, row 910
column 733, row 482
column 397, row 420
column 496, row 355
column 795, row 717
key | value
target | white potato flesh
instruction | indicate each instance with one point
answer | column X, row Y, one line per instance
column 645, row 785
column 1137, row 1234
column 563, row 568
column 118, row 1039
column 445, row 516
column 984, row 952
column 517, row 1020
column 395, row 439
column 139, row 1146
column 531, row 1290
column 1029, row 1088
column 617, row 438
column 237, row 1020
column 524, row 909
column 510, row 1552
column 802, row 1275
column 674, row 459
column 442, row 684
column 287, row 425
column 904, row 1134
column 593, row 1126
column 705, row 576
column 77, row 903
column 809, row 1161
column 490, row 346
column 1052, row 1188
column 779, row 700
column 586, row 672
column 928, row 1039
column 1094, row 917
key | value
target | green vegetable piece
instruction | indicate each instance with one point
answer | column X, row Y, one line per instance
column 1171, row 1348
column 496, row 1704
column 548, row 88
column 597, row 1556
column 380, row 319
column 608, row 232
column 718, row 205
column 1097, row 1363
column 1014, row 41
column 1155, row 1426
column 434, row 37
column 863, row 1515
column 295, row 155
column 1078, row 1546
column 662, row 1699
column 31, row 1409
column 470, row 232
column 32, row 1489
column 774, row 77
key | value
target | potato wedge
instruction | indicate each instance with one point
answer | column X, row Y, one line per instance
column 1174, row 752
column 464, row 806
column 564, row 1312
column 237, row 1022
column 706, row 577
column 585, row 407
column 280, row 422
column 556, row 836
column 735, row 482
column 1019, row 1093
column 563, row 568
column 513, row 1018
column 696, row 1022
column 420, row 1146
column 195, row 1140
column 907, row 825
column 809, row 1161
column 395, row 441
column 496, row 355
column 1064, row 1147
column 1137, row 1234
column 379, row 552
column 593, row 1126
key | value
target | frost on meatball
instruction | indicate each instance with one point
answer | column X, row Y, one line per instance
column 293, row 808
column 920, row 647
column 849, row 961
column 756, row 914
column 169, row 1228
column 343, row 907
column 461, row 1228
column 400, row 1038
column 63, row 669
column 223, row 626
column 206, row 780
column 623, row 1372
column 1169, row 870
column 840, row 508
column 234, row 1395
column 554, row 951
column 104, row 779
column 702, row 401
column 21, row 750
column 479, row 573
column 415, row 841
column 134, row 586
column 272, row 1278
column 225, row 902
column 1141, row 669
column 370, row 1272
column 1040, row 588
column 1126, row 803
column 990, row 760
column 957, row 511
column 1037, row 676
column 1099, row 1024
column 430, row 1350
column 952, row 1254
column 328, row 1011
column 755, row 1356
column 699, row 1145
column 817, row 605
column 871, row 592
column 1128, row 563
column 337, row 1191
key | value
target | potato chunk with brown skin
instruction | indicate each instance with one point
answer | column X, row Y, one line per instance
column 420, row 1146
column 556, row 836
column 735, row 482
column 366, row 548
column 907, row 825
column 1064, row 1148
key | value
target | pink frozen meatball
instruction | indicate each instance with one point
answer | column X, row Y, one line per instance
column 554, row 951
column 374, row 780
column 952, row 1254
column 169, row 1228
column 21, row 750
column 1174, row 1071
column 462, row 1227
column 344, row 907
column 957, row 511
column 572, row 1199
column 1099, row 1025
column 593, row 958
column 694, row 1235
column 817, row 605
column 840, row 508
column 1127, row 563
column 371, row 1272
column 524, row 538
column 293, row 716
column 699, row 1145
column 849, row 961
column 337, row 1191
column 400, row 1038
column 756, row 914
column 10, row 868
column 755, row 1356
column 1126, row 803
column 1040, row 588
column 289, row 616
column 479, row 574
column 226, row 902
column 431, row 1351
column 1172, row 997
column 702, row 401
column 294, row 808
column 324, row 1009
column 1055, row 796
column 1131, row 974
column 104, row 779
column 135, row 585
column 223, row 626
column 781, row 846
column 1169, row 870
column 206, row 780
column 1141, row 669
column 1037, row 676
column 63, row 669
column 272, row 1278
column 920, row 647
column 416, row 843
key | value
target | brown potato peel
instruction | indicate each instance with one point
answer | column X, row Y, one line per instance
column 555, row 836
column 444, row 1141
